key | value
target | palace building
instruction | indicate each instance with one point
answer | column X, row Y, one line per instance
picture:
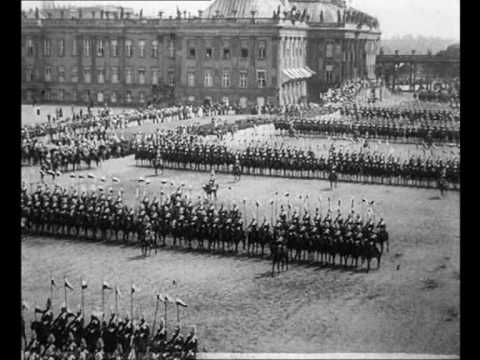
column 245, row 52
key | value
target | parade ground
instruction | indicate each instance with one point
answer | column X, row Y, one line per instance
column 410, row 304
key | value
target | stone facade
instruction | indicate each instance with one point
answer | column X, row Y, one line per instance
column 240, row 59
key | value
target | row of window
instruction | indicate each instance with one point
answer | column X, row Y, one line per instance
column 101, row 45
column 100, row 48
column 208, row 76
column 226, row 79
column 87, row 96
column 226, row 53
column 30, row 75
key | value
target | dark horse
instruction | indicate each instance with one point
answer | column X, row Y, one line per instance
column 210, row 190
column 333, row 178
column 237, row 172
column 279, row 256
column 442, row 185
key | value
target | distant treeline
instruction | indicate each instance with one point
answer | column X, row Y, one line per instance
column 421, row 44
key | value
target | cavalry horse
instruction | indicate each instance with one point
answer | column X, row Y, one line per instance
column 279, row 256
column 211, row 190
column 333, row 178
column 237, row 172
column 442, row 185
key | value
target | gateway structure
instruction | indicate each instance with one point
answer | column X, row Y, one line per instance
column 245, row 52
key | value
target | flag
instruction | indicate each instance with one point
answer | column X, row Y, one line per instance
column 38, row 310
column 103, row 179
column 133, row 289
column 72, row 175
column 257, row 203
column 114, row 179
column 140, row 179
column 81, row 177
column 84, row 285
column 287, row 194
column 106, row 286
column 52, row 282
column 117, row 291
column 68, row 285
column 25, row 306
column 180, row 302
column 91, row 176
column 160, row 297
column 168, row 298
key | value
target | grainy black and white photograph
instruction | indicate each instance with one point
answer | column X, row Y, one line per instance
column 240, row 179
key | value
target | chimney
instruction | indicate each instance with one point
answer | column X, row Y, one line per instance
column 184, row 14
column 160, row 14
column 413, row 52
column 62, row 14
column 396, row 52
column 200, row 12
column 382, row 51
column 79, row 13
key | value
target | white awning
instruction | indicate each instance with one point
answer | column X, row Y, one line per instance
column 297, row 73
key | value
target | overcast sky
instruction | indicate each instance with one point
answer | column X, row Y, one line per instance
column 397, row 17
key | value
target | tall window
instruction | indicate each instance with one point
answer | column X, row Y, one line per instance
column 113, row 97
column 243, row 79
column 128, row 75
column 171, row 48
column 74, row 74
column 208, row 79
column 208, row 53
column 61, row 73
column 171, row 78
column 86, row 47
column 154, row 48
column 226, row 79
column 329, row 73
column 47, row 47
column 226, row 54
column 261, row 79
column 87, row 76
column 329, row 50
column 48, row 73
column 128, row 96
column 141, row 97
column 100, row 97
column 61, row 47
column 141, row 47
column 141, row 76
column 155, row 76
column 262, row 49
column 191, row 79
column 74, row 47
column 191, row 53
column 100, row 50
column 60, row 94
column 101, row 76
column 28, row 74
column 114, row 75
column 29, row 47
column 113, row 48
column 74, row 95
column 244, row 53
column 128, row 48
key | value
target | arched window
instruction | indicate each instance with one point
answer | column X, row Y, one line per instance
column 100, row 97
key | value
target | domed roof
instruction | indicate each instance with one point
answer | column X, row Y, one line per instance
column 243, row 8
column 315, row 7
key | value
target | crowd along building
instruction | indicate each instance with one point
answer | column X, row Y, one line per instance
column 247, row 52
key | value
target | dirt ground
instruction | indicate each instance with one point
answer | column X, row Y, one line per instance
column 411, row 304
